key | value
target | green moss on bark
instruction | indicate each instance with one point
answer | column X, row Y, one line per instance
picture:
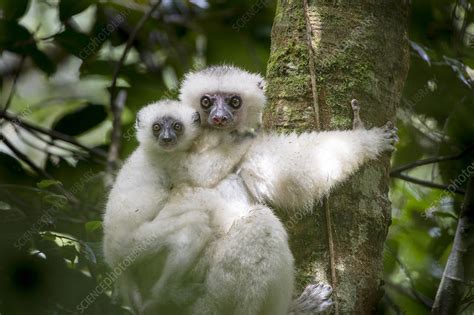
column 358, row 50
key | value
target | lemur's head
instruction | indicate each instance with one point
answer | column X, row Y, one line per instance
column 167, row 126
column 226, row 97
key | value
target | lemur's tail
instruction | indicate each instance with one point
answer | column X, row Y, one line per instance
column 316, row 298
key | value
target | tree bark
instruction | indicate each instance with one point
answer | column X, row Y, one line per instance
column 459, row 271
column 323, row 54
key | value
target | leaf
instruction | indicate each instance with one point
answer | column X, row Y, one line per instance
column 45, row 183
column 460, row 70
column 13, row 9
column 4, row 206
column 58, row 201
column 68, row 8
column 92, row 226
column 48, row 236
column 421, row 51
column 81, row 120
column 69, row 252
column 88, row 252
column 43, row 62
column 73, row 41
column 10, row 164
column 15, row 37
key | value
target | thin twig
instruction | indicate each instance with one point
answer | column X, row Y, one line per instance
column 20, row 155
column 428, row 303
column 15, row 80
column 115, row 141
column 315, row 106
column 45, row 149
column 50, row 142
column 427, row 184
column 128, row 46
column 432, row 160
column 52, row 133
column 332, row 260
column 117, row 102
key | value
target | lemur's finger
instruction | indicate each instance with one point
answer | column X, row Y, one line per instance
column 356, row 122
column 389, row 125
column 355, row 104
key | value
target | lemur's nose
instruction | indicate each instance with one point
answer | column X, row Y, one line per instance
column 220, row 119
column 167, row 139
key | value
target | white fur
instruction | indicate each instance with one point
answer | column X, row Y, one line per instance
column 287, row 171
column 228, row 251
column 227, row 79
column 292, row 171
column 190, row 231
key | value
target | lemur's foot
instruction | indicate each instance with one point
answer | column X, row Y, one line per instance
column 315, row 298
column 390, row 136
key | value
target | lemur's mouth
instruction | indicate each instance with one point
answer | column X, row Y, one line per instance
column 221, row 124
column 167, row 145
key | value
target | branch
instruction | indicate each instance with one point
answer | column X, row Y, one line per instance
column 15, row 80
column 114, row 148
column 425, row 301
column 20, row 155
column 52, row 133
column 117, row 103
column 432, row 160
column 427, row 183
column 461, row 259
column 128, row 46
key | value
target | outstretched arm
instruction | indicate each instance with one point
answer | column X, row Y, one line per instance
column 291, row 171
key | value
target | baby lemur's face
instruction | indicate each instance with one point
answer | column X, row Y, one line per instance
column 168, row 130
column 222, row 109
column 167, row 126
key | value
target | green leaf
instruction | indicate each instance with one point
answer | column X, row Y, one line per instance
column 15, row 37
column 13, row 9
column 10, row 165
column 45, row 183
column 82, row 120
column 69, row 252
column 4, row 206
column 73, row 41
column 58, row 201
column 43, row 62
column 48, row 236
column 88, row 252
column 68, row 8
column 92, row 226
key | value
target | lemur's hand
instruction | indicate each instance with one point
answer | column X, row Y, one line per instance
column 389, row 137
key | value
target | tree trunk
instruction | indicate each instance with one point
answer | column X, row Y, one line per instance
column 323, row 54
column 459, row 270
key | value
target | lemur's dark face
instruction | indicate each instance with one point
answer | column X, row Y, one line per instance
column 222, row 109
column 168, row 130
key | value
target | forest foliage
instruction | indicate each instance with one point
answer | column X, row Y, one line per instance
column 57, row 64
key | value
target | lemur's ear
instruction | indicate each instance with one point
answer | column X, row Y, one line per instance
column 196, row 119
column 261, row 85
